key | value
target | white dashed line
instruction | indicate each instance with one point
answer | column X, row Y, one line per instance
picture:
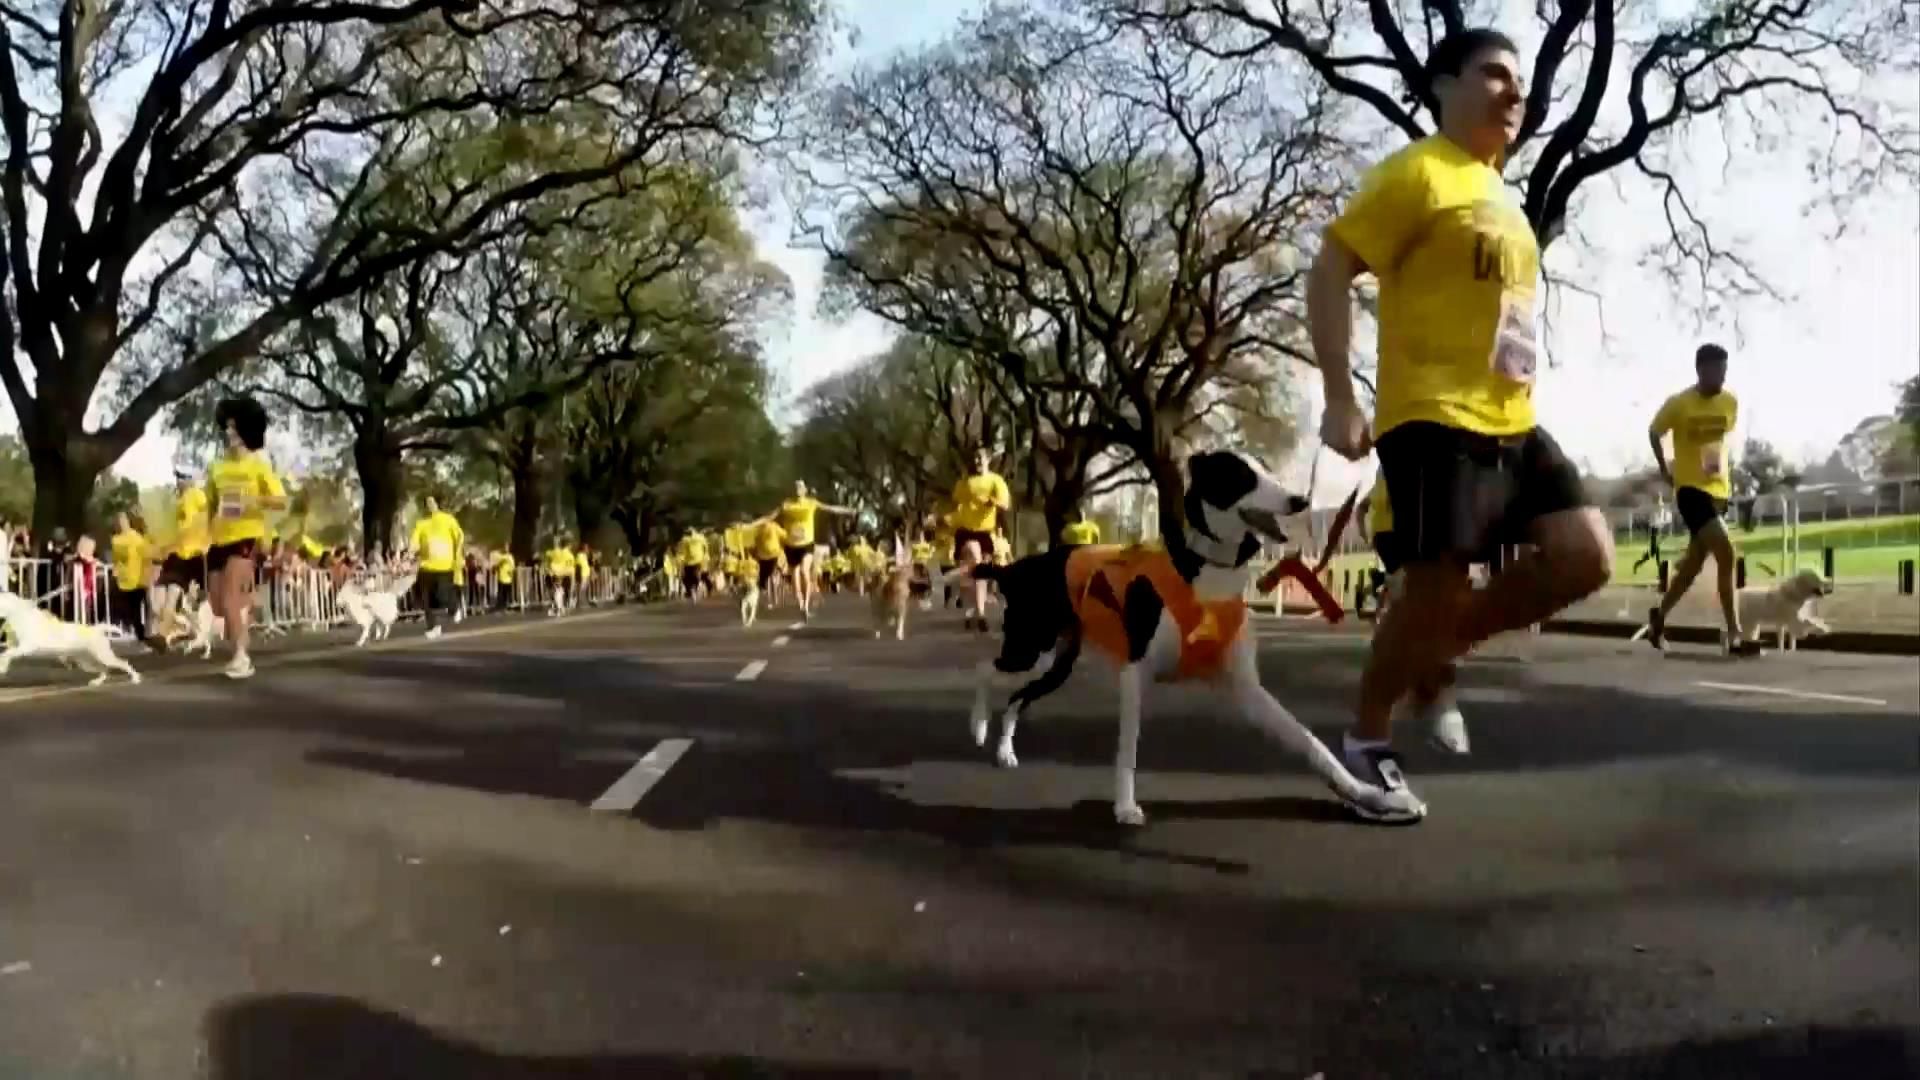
column 627, row 791
column 781, row 640
column 751, row 671
column 1779, row 691
column 797, row 626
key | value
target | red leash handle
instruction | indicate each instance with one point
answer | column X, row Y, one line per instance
column 1293, row 567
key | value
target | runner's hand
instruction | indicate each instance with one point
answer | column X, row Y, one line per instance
column 1343, row 428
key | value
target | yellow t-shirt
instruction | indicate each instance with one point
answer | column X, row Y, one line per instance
column 769, row 541
column 1700, row 426
column 796, row 516
column 860, row 556
column 922, row 552
column 1080, row 532
column 190, row 524
column 977, row 501
column 129, row 560
column 693, row 550
column 1379, row 510
column 438, row 538
column 559, row 562
column 582, row 564
column 1458, row 266
column 312, row 549
column 235, row 485
column 503, row 568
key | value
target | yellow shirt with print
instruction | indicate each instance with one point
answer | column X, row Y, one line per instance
column 1080, row 532
column 129, row 560
column 235, row 486
column 1700, row 426
column 796, row 516
column 559, row 562
column 190, row 524
column 978, row 500
column 438, row 538
column 1458, row 267
column 769, row 541
column 922, row 551
column 503, row 568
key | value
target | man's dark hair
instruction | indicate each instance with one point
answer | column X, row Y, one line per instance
column 249, row 419
column 1709, row 354
column 1449, row 58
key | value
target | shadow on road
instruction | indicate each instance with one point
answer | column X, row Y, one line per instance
column 314, row 1037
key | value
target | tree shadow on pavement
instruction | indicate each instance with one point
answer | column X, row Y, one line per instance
column 315, row 1037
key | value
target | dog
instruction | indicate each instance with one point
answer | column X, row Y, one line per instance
column 38, row 633
column 889, row 592
column 374, row 611
column 1787, row 606
column 749, row 600
column 1161, row 615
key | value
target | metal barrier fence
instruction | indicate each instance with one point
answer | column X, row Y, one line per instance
column 297, row 597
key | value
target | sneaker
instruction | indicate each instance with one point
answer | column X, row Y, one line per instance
column 1386, row 798
column 1439, row 720
column 1741, row 647
column 1657, row 629
column 241, row 667
column 433, row 634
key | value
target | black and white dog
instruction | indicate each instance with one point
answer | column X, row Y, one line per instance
column 1169, row 615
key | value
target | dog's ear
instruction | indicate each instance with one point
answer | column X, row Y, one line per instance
column 1220, row 478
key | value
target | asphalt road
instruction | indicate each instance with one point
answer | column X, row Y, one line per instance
column 385, row 864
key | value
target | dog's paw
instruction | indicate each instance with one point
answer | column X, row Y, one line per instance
column 1130, row 814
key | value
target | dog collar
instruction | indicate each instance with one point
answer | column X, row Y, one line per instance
column 1211, row 551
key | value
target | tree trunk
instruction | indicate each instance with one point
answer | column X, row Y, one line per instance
column 382, row 486
column 1171, row 488
column 630, row 524
column 592, row 503
column 64, row 474
column 528, row 496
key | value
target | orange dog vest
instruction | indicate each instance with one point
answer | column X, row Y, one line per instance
column 1098, row 577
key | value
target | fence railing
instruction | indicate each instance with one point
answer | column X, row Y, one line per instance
column 294, row 598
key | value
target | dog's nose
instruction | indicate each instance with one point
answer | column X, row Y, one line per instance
column 1296, row 504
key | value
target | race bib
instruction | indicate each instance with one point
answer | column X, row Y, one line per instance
column 440, row 549
column 233, row 504
column 1712, row 459
column 1513, row 343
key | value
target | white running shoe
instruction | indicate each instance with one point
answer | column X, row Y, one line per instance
column 1386, row 798
column 240, row 667
column 1439, row 720
column 433, row 634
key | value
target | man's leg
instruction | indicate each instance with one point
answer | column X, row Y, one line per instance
column 1407, row 650
column 1574, row 559
column 430, row 598
column 1713, row 536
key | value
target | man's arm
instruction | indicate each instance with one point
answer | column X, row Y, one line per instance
column 1656, row 431
column 1330, row 320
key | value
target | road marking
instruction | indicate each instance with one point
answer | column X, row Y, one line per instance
column 751, row 671
column 797, row 626
column 781, row 640
column 274, row 660
column 627, row 791
column 1780, row 691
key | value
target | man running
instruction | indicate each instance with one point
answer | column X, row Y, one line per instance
column 796, row 516
column 769, row 547
column 130, row 558
column 503, row 566
column 242, row 488
column 559, row 560
column 1700, row 418
column 1465, row 465
column 693, row 563
column 979, row 499
column 186, row 565
column 1657, row 524
column 438, row 541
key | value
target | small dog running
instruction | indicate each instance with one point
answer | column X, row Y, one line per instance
column 374, row 611
column 1787, row 606
column 1162, row 615
column 38, row 633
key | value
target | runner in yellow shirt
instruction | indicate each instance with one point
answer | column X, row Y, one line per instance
column 559, row 560
column 130, row 563
column 1465, row 463
column 440, row 545
column 503, row 567
column 979, row 499
column 796, row 517
column 185, row 565
column 1701, row 419
column 769, row 549
column 692, row 552
column 242, row 489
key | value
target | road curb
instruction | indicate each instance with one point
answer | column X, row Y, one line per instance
column 1843, row 641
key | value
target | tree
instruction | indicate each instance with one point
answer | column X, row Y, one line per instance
column 1759, row 470
column 1107, row 219
column 264, row 127
column 1612, row 86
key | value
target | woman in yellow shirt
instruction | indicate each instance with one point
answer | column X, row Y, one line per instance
column 130, row 560
column 242, row 488
column 796, row 516
column 978, row 501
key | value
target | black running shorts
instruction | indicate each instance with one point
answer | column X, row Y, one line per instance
column 1460, row 494
column 1697, row 508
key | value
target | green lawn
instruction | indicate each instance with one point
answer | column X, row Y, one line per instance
column 1867, row 551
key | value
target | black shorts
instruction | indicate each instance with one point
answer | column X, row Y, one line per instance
column 218, row 554
column 769, row 570
column 1459, row 494
column 796, row 554
column 175, row 570
column 690, row 577
column 1387, row 546
column 1697, row 509
column 985, row 540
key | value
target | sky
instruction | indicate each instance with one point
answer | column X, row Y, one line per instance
column 1806, row 368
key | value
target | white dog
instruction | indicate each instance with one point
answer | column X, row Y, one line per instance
column 40, row 633
column 374, row 611
column 1787, row 606
column 1163, row 615
column 749, row 600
